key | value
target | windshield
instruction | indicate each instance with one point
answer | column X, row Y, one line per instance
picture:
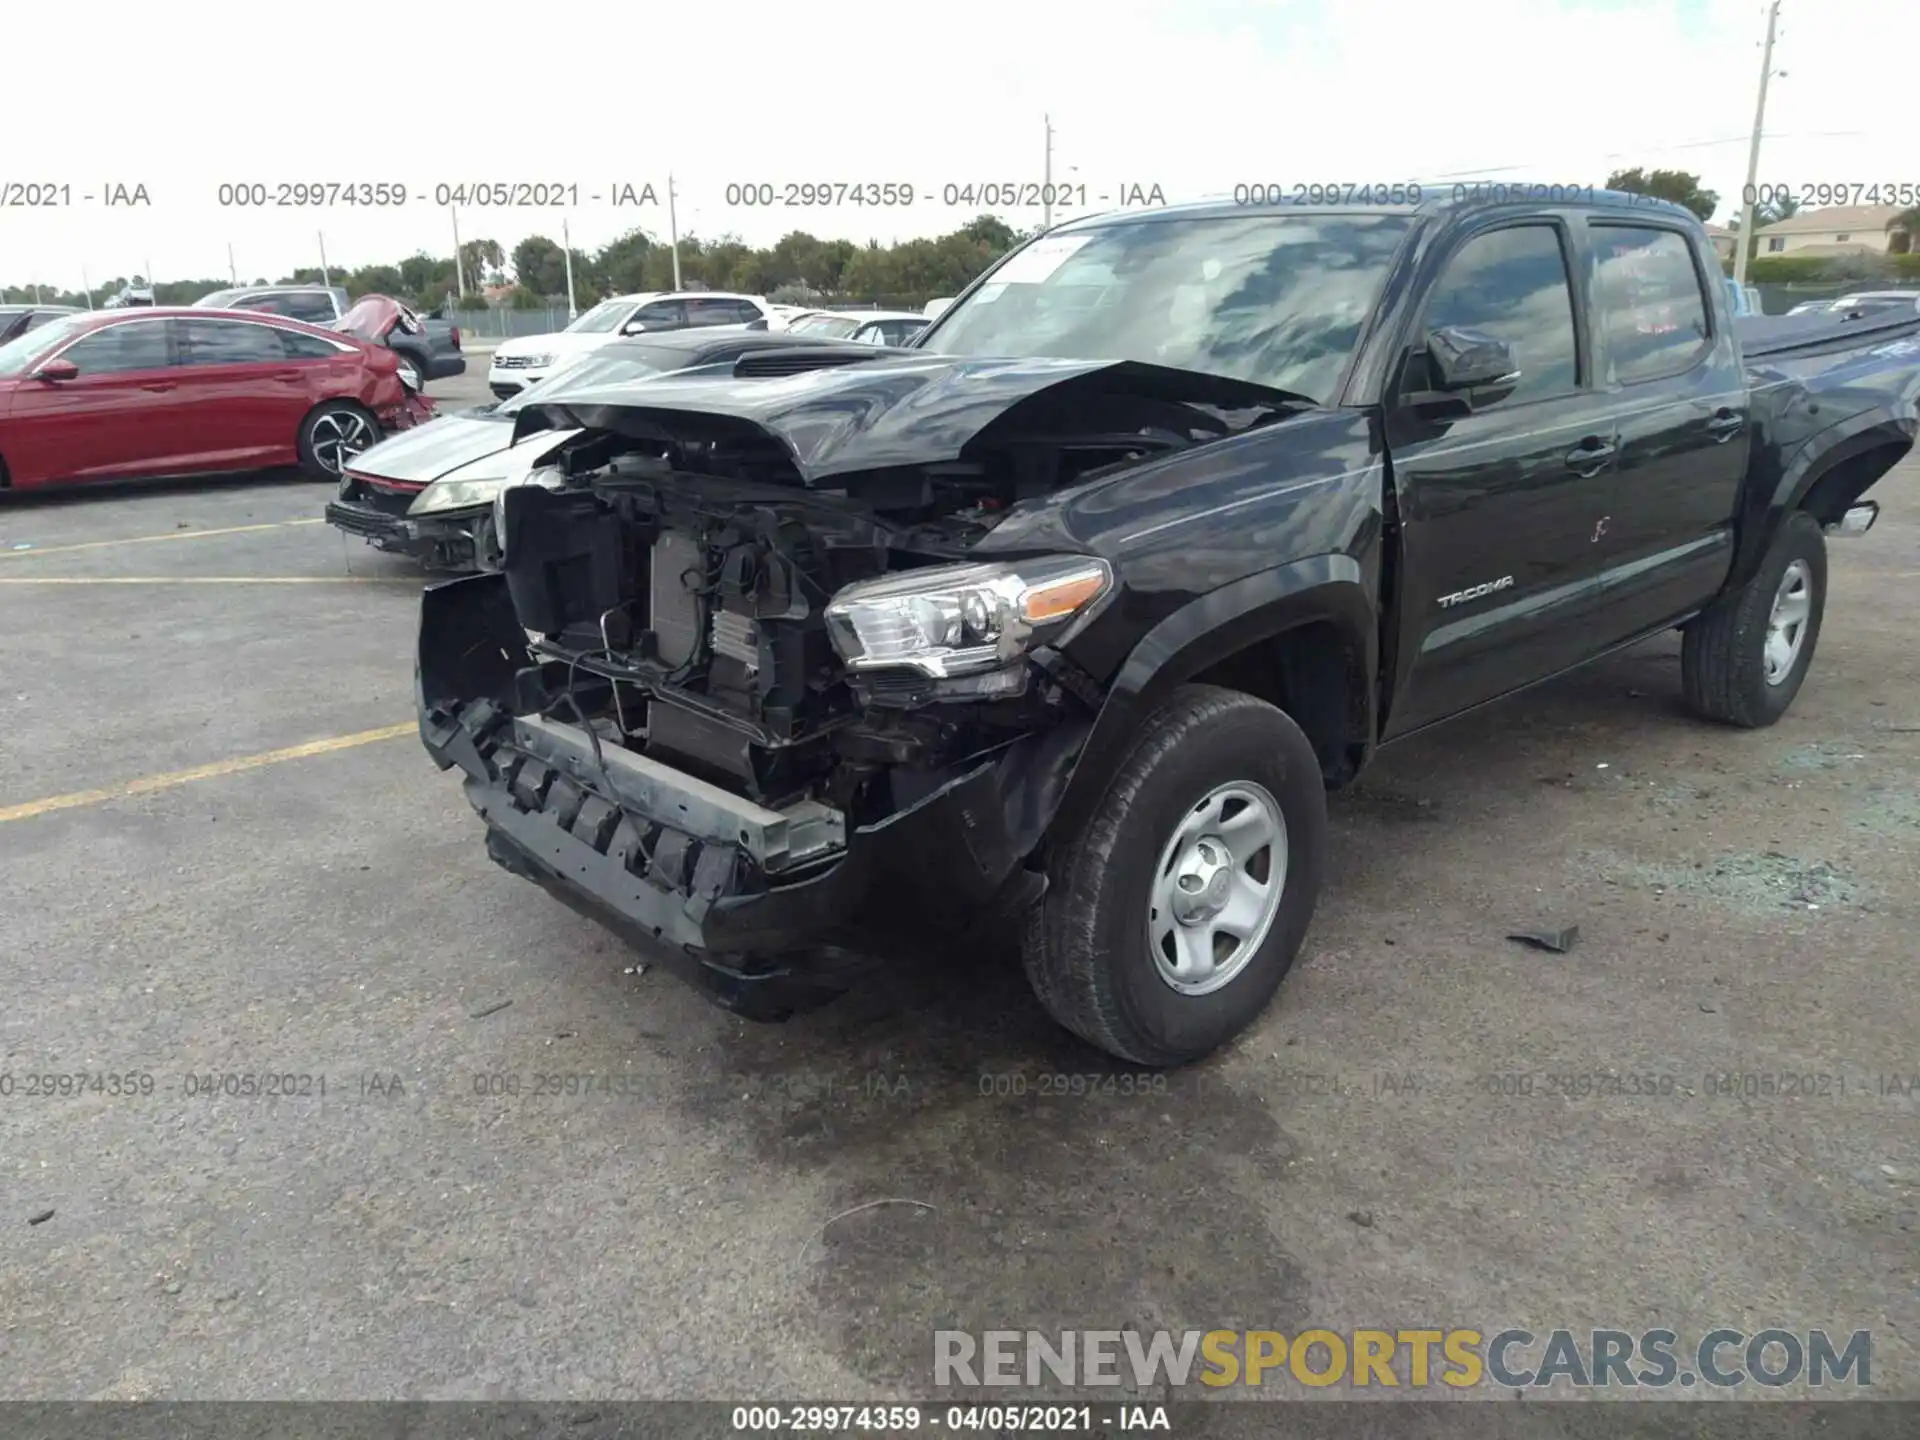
column 18, row 355
column 1277, row 300
column 610, row 365
column 604, row 317
column 833, row 326
column 219, row 299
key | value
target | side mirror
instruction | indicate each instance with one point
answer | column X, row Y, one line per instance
column 56, row 370
column 1464, row 359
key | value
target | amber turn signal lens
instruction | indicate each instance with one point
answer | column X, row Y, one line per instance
column 1060, row 597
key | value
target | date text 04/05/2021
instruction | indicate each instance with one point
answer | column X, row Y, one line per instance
column 911, row 1419
column 310, row 194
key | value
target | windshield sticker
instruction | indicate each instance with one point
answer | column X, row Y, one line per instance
column 1039, row 260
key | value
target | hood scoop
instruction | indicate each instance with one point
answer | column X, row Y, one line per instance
column 797, row 361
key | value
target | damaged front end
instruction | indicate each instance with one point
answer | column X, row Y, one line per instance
column 752, row 713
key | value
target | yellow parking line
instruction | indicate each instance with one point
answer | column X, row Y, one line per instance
column 211, row 580
column 147, row 784
column 149, row 539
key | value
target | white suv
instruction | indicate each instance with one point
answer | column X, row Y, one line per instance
column 521, row 362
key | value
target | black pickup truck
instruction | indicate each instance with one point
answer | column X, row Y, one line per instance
column 1075, row 608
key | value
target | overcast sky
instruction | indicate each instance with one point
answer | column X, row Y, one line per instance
column 1194, row 97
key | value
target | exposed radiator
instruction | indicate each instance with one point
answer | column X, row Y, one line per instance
column 678, row 564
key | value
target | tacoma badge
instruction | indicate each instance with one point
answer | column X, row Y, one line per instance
column 1476, row 592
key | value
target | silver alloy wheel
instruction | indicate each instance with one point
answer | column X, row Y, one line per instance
column 1217, row 887
column 338, row 436
column 1787, row 625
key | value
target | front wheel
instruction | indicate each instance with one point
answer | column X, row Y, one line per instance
column 1743, row 660
column 332, row 435
column 1174, row 914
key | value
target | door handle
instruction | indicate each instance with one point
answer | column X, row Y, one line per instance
column 1726, row 424
column 159, row 386
column 1585, row 459
column 287, row 377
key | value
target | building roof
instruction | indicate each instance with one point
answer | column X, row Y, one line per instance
column 1835, row 219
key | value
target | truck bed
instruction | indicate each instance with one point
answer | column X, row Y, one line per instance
column 1769, row 336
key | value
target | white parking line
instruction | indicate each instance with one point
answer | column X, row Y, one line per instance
column 32, row 551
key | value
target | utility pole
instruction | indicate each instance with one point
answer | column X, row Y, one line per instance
column 673, row 231
column 1046, row 178
column 324, row 278
column 232, row 274
column 1743, row 246
column 86, row 285
column 459, row 265
column 566, row 249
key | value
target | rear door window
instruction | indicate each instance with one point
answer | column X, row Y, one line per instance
column 228, row 342
column 1653, row 311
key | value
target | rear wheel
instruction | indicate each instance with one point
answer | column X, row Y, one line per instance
column 1172, row 917
column 332, row 434
column 1744, row 659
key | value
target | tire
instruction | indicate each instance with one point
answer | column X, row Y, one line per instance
column 1087, row 948
column 325, row 430
column 1731, row 666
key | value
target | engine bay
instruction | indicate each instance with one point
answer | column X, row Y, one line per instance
column 674, row 575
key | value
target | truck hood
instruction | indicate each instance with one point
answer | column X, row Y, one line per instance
column 425, row 453
column 897, row 409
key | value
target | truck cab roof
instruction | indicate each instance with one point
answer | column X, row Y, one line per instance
column 1444, row 198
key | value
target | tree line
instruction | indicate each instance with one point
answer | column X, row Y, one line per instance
column 805, row 269
column 800, row 268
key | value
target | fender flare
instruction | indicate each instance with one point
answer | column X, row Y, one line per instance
column 1206, row 630
column 1823, row 453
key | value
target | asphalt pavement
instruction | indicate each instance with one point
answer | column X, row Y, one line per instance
column 383, row 1121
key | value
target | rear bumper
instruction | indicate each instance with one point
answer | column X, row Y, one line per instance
column 769, row 912
column 445, row 367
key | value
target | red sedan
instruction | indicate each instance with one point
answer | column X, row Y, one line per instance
column 152, row 392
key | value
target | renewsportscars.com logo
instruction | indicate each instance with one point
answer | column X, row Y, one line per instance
column 1412, row 1358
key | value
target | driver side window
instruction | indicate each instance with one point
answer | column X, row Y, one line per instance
column 118, row 349
column 1512, row 284
column 660, row 315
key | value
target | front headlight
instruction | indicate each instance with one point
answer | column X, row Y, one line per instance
column 962, row 619
column 410, row 377
column 464, row 494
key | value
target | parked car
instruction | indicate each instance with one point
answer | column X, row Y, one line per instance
column 130, row 297
column 16, row 320
column 430, row 493
column 865, row 327
column 315, row 304
column 1164, row 527
column 526, row 361
column 933, row 308
column 429, row 345
column 130, row 394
